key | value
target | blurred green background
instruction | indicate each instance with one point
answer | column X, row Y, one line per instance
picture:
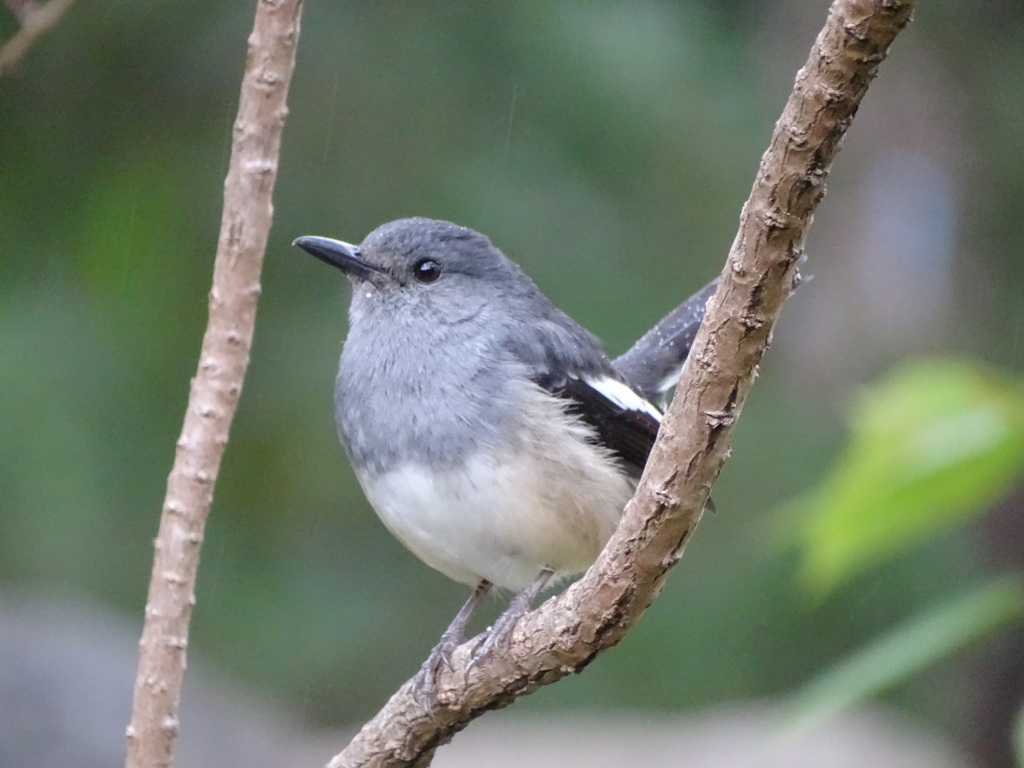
column 607, row 147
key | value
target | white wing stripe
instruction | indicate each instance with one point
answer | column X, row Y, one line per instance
column 622, row 395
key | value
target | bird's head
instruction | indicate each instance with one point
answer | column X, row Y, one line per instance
column 440, row 270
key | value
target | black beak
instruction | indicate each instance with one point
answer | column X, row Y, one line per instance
column 344, row 256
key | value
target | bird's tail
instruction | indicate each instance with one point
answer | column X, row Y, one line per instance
column 654, row 363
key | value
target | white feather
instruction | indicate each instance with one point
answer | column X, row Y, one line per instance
column 623, row 396
column 550, row 499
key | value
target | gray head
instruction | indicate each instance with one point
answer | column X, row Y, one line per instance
column 443, row 272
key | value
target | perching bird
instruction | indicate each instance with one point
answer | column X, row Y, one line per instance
column 488, row 429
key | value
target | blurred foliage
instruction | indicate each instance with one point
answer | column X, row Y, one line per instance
column 907, row 649
column 606, row 147
column 934, row 444
column 1018, row 738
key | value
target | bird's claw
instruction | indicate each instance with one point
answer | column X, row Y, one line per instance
column 496, row 638
column 424, row 682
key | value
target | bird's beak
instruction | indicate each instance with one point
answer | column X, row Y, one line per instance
column 344, row 256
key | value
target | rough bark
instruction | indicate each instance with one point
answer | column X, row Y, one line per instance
column 245, row 225
column 564, row 634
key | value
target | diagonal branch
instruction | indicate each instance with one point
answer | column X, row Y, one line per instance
column 565, row 634
column 35, row 20
column 245, row 225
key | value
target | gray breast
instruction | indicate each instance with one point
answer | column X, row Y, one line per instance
column 432, row 401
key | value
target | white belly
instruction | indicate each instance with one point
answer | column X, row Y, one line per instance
column 554, row 505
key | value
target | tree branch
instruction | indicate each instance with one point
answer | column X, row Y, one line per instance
column 35, row 20
column 564, row 634
column 245, row 225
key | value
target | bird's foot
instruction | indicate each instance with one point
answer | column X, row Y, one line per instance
column 499, row 636
column 424, row 683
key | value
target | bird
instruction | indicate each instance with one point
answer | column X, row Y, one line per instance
column 489, row 431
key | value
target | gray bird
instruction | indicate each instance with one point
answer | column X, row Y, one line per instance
column 489, row 431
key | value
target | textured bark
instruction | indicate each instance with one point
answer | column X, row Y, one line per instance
column 565, row 634
column 245, row 225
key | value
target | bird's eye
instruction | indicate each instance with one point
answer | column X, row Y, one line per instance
column 426, row 270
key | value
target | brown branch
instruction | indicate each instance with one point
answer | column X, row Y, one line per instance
column 565, row 634
column 35, row 20
column 245, row 225
column 22, row 9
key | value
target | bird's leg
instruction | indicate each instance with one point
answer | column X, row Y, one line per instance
column 501, row 632
column 425, row 681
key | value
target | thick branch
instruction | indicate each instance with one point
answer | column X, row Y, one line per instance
column 564, row 634
column 35, row 20
column 245, row 225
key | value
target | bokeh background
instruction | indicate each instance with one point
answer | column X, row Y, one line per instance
column 607, row 147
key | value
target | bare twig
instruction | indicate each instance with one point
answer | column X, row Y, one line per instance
column 565, row 634
column 22, row 8
column 35, row 20
column 245, row 224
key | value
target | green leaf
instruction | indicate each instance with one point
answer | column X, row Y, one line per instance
column 932, row 445
column 908, row 648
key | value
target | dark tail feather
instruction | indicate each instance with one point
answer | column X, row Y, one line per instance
column 652, row 365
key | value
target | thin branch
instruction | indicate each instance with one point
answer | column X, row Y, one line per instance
column 245, row 225
column 22, row 8
column 35, row 20
column 564, row 634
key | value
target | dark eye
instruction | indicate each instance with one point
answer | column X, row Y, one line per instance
column 426, row 270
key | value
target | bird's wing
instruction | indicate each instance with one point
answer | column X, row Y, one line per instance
column 568, row 362
column 625, row 423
